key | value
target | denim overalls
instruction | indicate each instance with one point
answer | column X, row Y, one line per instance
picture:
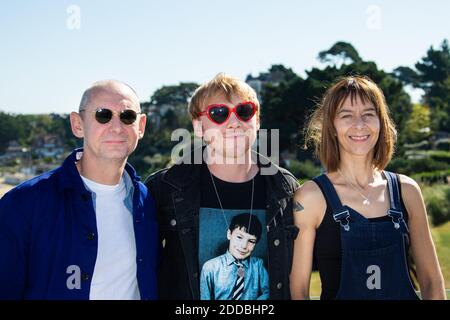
column 373, row 253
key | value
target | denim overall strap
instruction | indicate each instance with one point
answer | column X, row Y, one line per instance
column 340, row 214
column 395, row 210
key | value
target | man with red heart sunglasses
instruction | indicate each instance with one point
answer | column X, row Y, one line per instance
column 196, row 203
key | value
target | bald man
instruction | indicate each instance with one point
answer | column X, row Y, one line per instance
column 87, row 229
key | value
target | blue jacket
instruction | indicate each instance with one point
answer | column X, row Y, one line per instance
column 48, row 237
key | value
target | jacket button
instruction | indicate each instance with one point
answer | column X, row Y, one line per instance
column 137, row 220
column 140, row 259
column 90, row 236
column 84, row 276
column 173, row 222
column 276, row 243
column 279, row 285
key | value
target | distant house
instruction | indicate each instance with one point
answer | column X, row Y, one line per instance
column 48, row 146
column 256, row 84
column 155, row 112
column 14, row 151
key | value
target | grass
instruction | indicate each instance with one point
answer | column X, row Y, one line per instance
column 441, row 238
column 4, row 188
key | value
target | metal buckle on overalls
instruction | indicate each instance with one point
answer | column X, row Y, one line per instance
column 396, row 215
column 338, row 217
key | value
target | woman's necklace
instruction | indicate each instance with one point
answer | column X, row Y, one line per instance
column 366, row 200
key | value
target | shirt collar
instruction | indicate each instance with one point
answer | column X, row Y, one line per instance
column 230, row 259
column 71, row 179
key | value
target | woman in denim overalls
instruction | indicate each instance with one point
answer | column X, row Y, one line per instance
column 358, row 221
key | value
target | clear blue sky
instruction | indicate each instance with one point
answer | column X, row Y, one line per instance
column 45, row 65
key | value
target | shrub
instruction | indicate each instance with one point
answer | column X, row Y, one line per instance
column 304, row 170
column 412, row 166
column 439, row 176
column 437, row 201
column 440, row 155
column 443, row 144
column 422, row 145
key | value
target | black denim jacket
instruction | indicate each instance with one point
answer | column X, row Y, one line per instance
column 177, row 194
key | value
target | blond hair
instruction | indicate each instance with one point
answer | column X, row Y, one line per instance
column 221, row 84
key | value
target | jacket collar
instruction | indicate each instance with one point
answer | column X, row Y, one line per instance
column 70, row 177
column 184, row 174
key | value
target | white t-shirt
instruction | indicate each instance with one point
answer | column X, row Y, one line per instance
column 114, row 275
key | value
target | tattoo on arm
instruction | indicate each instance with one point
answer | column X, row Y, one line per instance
column 297, row 206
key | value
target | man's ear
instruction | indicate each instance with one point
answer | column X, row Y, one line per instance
column 198, row 130
column 76, row 123
column 228, row 234
column 142, row 122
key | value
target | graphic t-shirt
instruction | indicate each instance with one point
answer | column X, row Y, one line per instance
column 233, row 243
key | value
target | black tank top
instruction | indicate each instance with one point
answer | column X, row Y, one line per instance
column 327, row 250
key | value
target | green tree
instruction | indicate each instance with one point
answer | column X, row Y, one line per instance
column 417, row 127
column 340, row 53
column 284, row 107
column 287, row 105
column 434, row 68
column 8, row 130
column 432, row 74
